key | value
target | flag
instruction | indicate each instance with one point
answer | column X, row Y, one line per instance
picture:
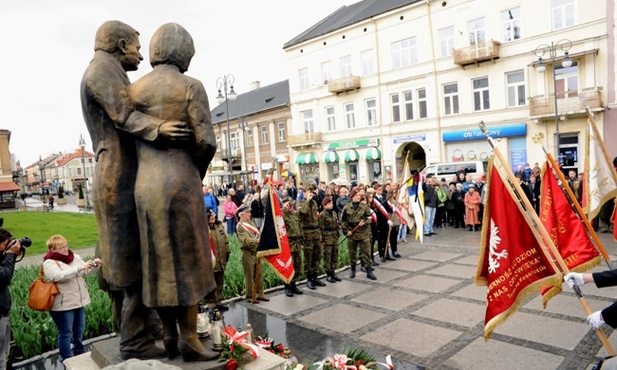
column 566, row 230
column 273, row 242
column 512, row 263
column 403, row 195
column 416, row 201
column 600, row 182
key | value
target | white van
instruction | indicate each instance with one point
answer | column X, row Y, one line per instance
column 473, row 168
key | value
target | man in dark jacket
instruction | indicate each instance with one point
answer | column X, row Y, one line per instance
column 9, row 251
column 430, row 205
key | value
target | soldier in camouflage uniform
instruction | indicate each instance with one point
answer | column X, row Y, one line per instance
column 308, row 213
column 357, row 214
column 294, row 235
column 248, row 235
column 328, row 222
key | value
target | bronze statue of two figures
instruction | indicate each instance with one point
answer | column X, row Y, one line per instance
column 153, row 141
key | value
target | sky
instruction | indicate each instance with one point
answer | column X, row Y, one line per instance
column 48, row 45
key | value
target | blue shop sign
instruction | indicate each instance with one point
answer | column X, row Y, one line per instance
column 476, row 134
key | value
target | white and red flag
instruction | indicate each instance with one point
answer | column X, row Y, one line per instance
column 599, row 177
column 512, row 263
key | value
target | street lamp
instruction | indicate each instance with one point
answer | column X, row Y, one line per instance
column 42, row 172
column 225, row 83
column 564, row 45
column 82, row 145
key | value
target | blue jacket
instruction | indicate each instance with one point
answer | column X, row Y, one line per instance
column 211, row 202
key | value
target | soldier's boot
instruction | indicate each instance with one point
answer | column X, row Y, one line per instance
column 369, row 273
column 295, row 289
column 310, row 283
column 288, row 291
column 317, row 281
column 189, row 345
column 170, row 331
column 335, row 277
column 330, row 278
column 352, row 272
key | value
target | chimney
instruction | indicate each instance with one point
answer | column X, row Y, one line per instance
column 255, row 85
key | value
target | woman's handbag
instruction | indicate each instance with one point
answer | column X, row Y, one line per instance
column 42, row 293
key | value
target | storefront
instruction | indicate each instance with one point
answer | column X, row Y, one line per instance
column 308, row 167
column 354, row 168
column 373, row 162
column 472, row 145
column 331, row 159
column 351, row 159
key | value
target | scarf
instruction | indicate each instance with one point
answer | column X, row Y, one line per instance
column 64, row 258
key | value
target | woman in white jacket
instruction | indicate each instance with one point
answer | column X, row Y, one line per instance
column 66, row 269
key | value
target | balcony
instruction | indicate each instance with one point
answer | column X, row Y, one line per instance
column 305, row 139
column 228, row 155
column 474, row 54
column 345, row 84
column 568, row 103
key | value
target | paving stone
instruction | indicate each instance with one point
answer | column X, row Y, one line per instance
column 340, row 289
column 436, row 256
column 491, row 355
column 454, row 270
column 392, row 299
column 472, row 291
column 288, row 306
column 566, row 305
column 612, row 339
column 411, row 337
column 427, row 283
column 407, row 265
column 590, row 290
column 342, row 318
column 547, row 330
column 384, row 274
column 468, row 260
column 452, row 311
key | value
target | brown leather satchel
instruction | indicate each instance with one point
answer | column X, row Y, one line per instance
column 42, row 293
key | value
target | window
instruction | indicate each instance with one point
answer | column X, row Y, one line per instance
column 567, row 81
column 330, row 119
column 218, row 143
column 281, row 131
column 446, row 41
column 264, row 134
column 368, row 62
column 346, row 66
column 511, row 24
column 563, row 14
column 350, row 120
column 481, row 99
column 396, row 107
column 371, row 112
column 234, row 138
column 304, row 79
column 249, row 137
column 307, row 118
column 422, row 109
column 326, row 72
column 476, row 31
column 450, row 98
column 515, row 85
column 408, row 96
column 404, row 53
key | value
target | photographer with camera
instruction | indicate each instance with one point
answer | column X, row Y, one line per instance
column 10, row 249
column 66, row 268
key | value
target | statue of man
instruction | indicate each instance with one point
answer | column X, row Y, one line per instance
column 113, row 125
column 177, row 264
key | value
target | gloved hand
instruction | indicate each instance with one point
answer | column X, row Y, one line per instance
column 390, row 223
column 595, row 320
column 574, row 278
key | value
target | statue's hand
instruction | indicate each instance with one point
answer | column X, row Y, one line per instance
column 174, row 130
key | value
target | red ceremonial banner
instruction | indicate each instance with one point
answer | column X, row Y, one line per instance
column 512, row 263
column 273, row 242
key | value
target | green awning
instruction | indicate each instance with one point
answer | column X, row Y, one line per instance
column 351, row 155
column 373, row 154
column 306, row 158
column 331, row 157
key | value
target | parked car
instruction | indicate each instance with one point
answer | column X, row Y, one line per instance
column 473, row 168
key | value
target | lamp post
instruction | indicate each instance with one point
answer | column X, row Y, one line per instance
column 563, row 45
column 226, row 84
column 82, row 145
column 42, row 172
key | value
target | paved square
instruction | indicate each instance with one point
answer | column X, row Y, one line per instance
column 427, row 283
column 406, row 265
column 491, row 355
column 288, row 306
column 340, row 289
column 436, row 256
column 566, row 305
column 385, row 275
column 469, row 260
column 460, row 271
column 392, row 299
column 453, row 311
column 472, row 291
column 411, row 337
column 342, row 318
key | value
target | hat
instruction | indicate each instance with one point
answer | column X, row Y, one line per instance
column 243, row 208
column 325, row 201
column 286, row 200
column 353, row 192
column 472, row 186
column 210, row 212
column 311, row 187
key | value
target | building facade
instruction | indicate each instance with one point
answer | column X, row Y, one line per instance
column 377, row 80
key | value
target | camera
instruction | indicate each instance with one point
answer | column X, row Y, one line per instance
column 25, row 243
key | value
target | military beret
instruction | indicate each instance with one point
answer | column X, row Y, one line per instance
column 243, row 208
column 286, row 200
column 353, row 192
column 325, row 201
column 311, row 187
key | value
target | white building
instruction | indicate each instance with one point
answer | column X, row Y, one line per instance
column 377, row 79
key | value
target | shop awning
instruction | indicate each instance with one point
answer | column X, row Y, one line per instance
column 331, row 157
column 373, row 154
column 306, row 158
column 351, row 155
column 8, row 186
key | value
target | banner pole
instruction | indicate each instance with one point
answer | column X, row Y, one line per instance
column 546, row 239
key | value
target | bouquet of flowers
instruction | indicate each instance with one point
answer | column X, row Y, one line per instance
column 353, row 360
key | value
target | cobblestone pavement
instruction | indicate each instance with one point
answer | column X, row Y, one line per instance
column 426, row 311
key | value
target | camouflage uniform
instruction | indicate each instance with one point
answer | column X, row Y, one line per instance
column 308, row 214
column 248, row 245
column 328, row 223
column 220, row 245
column 294, row 235
column 352, row 214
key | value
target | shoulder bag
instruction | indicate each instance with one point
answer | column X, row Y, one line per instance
column 42, row 293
